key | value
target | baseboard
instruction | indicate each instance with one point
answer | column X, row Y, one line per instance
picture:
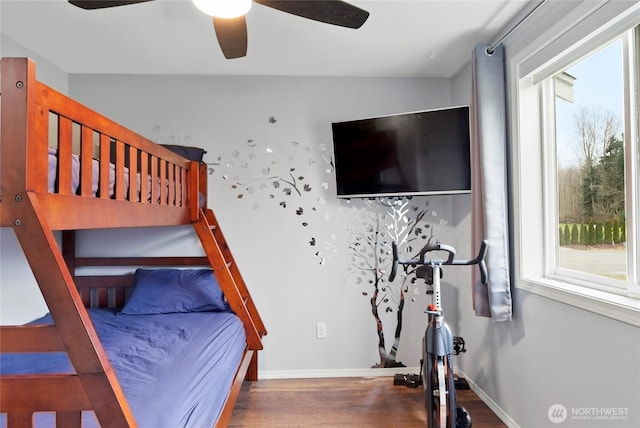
column 504, row 417
column 301, row 374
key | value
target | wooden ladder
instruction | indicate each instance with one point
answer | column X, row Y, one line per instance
column 226, row 271
column 94, row 384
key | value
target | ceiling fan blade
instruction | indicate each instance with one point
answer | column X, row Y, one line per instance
column 101, row 4
column 334, row 12
column 232, row 36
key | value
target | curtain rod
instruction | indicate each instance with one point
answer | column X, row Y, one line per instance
column 493, row 46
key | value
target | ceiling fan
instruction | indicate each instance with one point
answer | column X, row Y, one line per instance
column 232, row 31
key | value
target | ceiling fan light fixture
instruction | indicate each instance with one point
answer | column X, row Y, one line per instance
column 224, row 8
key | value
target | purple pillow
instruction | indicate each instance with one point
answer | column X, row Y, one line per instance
column 164, row 291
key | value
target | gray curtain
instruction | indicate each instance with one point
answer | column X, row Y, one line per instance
column 489, row 159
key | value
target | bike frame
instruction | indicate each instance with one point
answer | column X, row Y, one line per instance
column 438, row 343
column 437, row 357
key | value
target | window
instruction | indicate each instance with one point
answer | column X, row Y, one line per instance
column 589, row 212
column 578, row 169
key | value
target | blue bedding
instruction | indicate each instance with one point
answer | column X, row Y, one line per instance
column 175, row 369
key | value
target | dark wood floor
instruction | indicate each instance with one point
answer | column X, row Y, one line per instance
column 343, row 402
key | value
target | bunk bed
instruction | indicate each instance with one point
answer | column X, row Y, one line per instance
column 66, row 168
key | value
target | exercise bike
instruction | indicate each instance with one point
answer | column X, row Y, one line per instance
column 438, row 344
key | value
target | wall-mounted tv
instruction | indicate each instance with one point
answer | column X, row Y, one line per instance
column 418, row 153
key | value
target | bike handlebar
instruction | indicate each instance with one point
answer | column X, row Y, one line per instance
column 478, row 260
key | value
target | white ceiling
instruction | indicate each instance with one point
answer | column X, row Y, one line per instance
column 409, row 38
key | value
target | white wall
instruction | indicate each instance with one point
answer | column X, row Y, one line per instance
column 551, row 353
column 48, row 73
column 21, row 300
column 230, row 117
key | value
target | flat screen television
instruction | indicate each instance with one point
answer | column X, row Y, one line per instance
column 418, row 153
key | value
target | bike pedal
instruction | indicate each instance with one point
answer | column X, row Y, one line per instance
column 413, row 381
column 461, row 383
column 400, row 379
column 458, row 345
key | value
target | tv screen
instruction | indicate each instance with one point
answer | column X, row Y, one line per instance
column 419, row 153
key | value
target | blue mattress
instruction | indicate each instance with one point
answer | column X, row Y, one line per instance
column 175, row 369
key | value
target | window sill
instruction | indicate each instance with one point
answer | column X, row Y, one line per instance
column 618, row 307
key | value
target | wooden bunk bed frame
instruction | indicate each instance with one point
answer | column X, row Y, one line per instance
column 28, row 107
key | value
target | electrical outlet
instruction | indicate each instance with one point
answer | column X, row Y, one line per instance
column 321, row 330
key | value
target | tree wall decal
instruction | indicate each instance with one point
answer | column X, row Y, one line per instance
column 403, row 222
column 255, row 171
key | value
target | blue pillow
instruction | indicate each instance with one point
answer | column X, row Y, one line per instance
column 164, row 291
column 191, row 153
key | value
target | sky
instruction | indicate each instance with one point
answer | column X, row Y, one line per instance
column 598, row 84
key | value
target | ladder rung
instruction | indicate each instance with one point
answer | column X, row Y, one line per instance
column 218, row 252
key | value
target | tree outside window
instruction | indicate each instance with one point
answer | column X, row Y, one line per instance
column 590, row 156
